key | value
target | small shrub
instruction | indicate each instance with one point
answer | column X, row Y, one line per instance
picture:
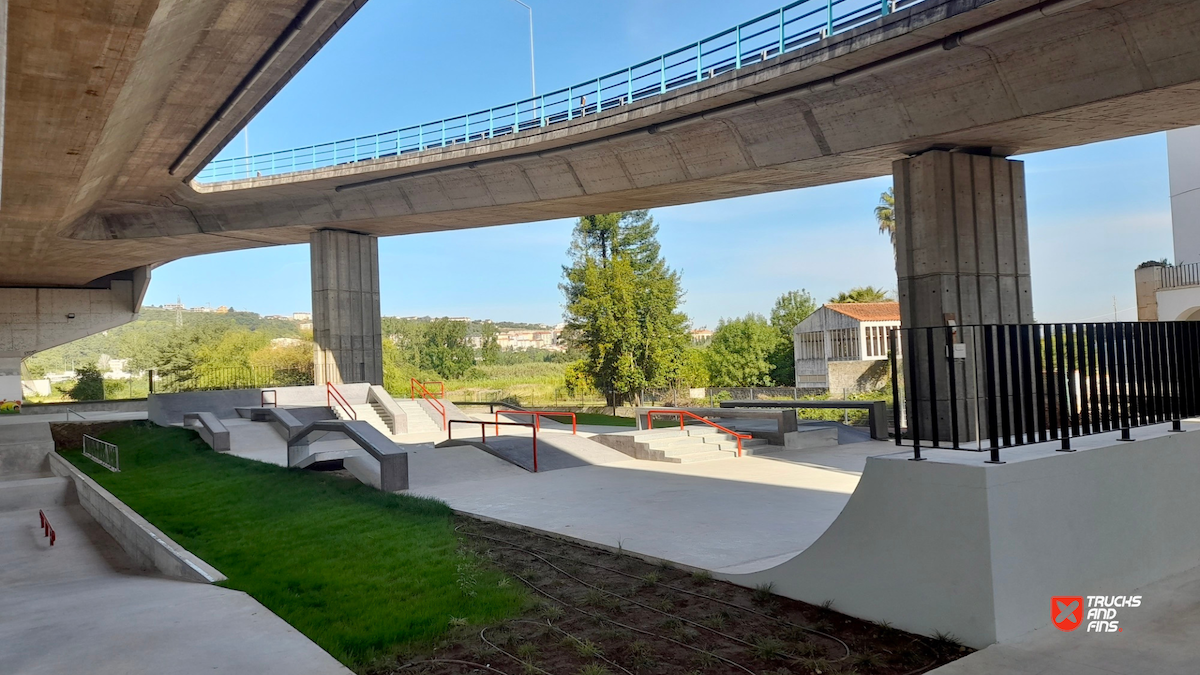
column 768, row 648
column 586, row 648
column 763, row 593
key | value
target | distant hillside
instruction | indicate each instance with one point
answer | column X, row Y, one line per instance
column 141, row 340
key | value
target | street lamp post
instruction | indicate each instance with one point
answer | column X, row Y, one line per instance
column 532, row 69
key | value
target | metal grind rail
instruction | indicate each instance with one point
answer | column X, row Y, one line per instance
column 791, row 27
column 537, row 417
column 332, row 395
column 483, row 433
column 1019, row 384
column 416, row 387
column 681, row 413
column 47, row 529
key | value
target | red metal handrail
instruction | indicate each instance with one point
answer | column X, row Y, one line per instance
column 414, row 384
column 47, row 530
column 332, row 395
column 537, row 417
column 681, row 413
column 425, row 385
column 483, row 432
column 262, row 398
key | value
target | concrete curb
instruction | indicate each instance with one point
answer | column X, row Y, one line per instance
column 145, row 544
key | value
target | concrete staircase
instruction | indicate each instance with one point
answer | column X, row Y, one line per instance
column 693, row 444
column 373, row 413
column 419, row 421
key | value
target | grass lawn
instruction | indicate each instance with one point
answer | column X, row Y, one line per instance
column 605, row 420
column 364, row 574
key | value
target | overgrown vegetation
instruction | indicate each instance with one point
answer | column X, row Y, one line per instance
column 360, row 572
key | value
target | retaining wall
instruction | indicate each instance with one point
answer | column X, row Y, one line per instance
column 146, row 545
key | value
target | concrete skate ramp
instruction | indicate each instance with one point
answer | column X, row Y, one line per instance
column 956, row 545
column 555, row 450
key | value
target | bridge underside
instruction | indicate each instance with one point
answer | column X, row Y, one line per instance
column 1007, row 76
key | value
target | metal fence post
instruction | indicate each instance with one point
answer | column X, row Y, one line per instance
column 737, row 44
column 829, row 21
column 782, row 38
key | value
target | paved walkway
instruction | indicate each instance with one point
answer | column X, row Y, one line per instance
column 81, row 607
column 1162, row 637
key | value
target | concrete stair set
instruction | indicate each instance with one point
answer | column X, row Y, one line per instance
column 693, row 444
column 419, row 421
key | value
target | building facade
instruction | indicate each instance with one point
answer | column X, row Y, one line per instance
column 843, row 347
column 1171, row 292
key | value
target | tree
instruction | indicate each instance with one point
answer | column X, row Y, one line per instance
column 446, row 351
column 489, row 346
column 885, row 214
column 89, row 384
column 790, row 309
column 862, row 294
column 739, row 355
column 622, row 305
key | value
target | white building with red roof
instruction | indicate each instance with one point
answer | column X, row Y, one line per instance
column 843, row 347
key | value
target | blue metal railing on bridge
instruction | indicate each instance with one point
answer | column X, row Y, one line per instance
column 788, row 28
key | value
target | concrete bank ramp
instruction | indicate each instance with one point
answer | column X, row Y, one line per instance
column 555, row 450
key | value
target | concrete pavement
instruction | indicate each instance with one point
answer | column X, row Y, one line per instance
column 739, row 514
column 81, row 606
column 1162, row 637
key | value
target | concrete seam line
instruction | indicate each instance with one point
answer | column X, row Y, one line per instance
column 968, row 37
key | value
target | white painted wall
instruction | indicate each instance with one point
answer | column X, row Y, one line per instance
column 1183, row 160
column 1178, row 304
column 955, row 545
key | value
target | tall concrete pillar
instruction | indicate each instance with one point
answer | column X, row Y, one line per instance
column 962, row 242
column 347, row 336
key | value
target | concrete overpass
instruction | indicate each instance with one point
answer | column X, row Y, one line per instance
column 104, row 187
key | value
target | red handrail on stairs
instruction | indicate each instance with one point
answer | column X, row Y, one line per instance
column 332, row 395
column 681, row 413
column 414, row 384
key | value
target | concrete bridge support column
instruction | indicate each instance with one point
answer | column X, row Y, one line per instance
column 962, row 243
column 348, row 339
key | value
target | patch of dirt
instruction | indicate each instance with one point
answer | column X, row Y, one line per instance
column 69, row 435
column 593, row 612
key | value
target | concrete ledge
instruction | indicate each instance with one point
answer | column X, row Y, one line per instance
column 210, row 429
column 785, row 421
column 392, row 462
column 284, row 422
column 395, row 418
column 145, row 544
column 876, row 410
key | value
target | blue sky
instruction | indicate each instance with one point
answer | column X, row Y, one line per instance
column 1095, row 212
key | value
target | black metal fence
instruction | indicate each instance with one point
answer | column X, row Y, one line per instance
column 169, row 381
column 999, row 386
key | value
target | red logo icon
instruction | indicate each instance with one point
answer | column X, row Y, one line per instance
column 1066, row 612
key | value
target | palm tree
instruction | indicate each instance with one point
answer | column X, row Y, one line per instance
column 861, row 294
column 885, row 214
